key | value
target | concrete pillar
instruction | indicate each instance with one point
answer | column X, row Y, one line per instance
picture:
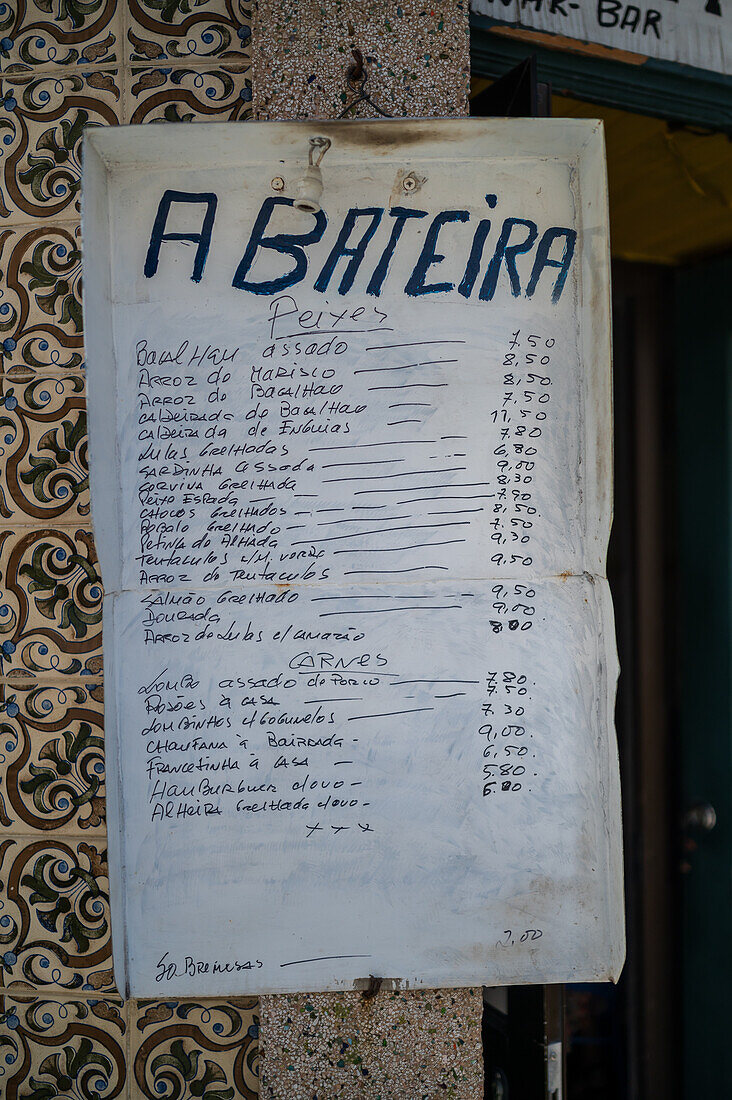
column 417, row 55
column 398, row 1045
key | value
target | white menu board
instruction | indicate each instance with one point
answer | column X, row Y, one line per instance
column 351, row 491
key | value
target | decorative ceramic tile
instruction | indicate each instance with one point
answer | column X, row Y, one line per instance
column 51, row 603
column 189, row 95
column 54, row 927
column 42, row 119
column 44, row 473
column 35, row 33
column 184, row 1049
column 51, row 1049
column 40, row 299
column 421, row 1043
column 188, row 30
column 52, row 758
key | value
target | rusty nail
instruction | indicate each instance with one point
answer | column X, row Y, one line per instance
column 356, row 70
column 278, row 184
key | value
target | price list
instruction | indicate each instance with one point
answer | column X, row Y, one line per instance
column 359, row 641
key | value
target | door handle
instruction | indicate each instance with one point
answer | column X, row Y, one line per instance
column 554, row 1090
column 701, row 816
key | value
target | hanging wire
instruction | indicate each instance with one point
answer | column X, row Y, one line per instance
column 701, row 187
column 356, row 78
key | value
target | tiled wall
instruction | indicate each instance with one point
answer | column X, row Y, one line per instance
column 64, row 65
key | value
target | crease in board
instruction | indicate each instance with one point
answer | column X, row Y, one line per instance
column 296, row 586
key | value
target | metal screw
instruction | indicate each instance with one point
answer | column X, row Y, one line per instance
column 409, row 183
column 278, row 184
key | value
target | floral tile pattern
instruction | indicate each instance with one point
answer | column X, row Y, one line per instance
column 35, row 33
column 40, row 299
column 185, row 1049
column 51, row 609
column 42, row 120
column 52, row 758
column 44, row 473
column 54, row 922
column 190, row 95
column 66, row 65
column 58, row 1048
column 188, row 30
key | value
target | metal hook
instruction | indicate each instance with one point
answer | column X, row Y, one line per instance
column 356, row 70
column 310, row 187
column 322, row 143
column 356, row 78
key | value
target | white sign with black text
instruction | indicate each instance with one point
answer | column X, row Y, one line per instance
column 351, row 491
column 692, row 32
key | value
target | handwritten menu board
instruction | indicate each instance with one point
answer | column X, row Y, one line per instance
column 351, row 483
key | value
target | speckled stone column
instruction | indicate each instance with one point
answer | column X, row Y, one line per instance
column 400, row 1045
column 417, row 55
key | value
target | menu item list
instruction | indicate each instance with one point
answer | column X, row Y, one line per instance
column 352, row 512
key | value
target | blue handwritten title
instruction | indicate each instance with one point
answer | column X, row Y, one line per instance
column 551, row 249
